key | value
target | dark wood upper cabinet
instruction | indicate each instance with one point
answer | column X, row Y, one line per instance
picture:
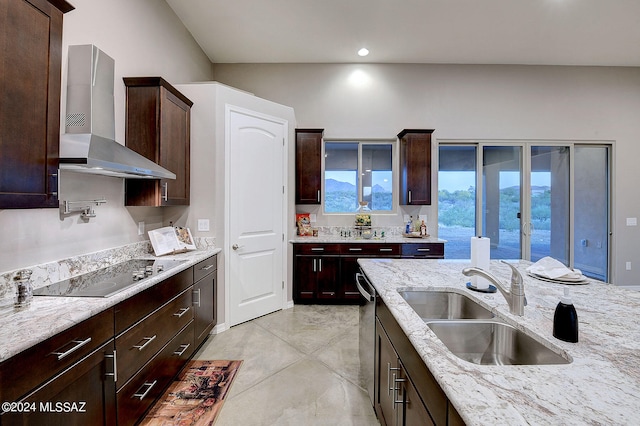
column 30, row 70
column 158, row 122
column 415, row 166
column 308, row 165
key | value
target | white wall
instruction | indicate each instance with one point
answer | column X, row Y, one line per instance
column 146, row 39
column 471, row 102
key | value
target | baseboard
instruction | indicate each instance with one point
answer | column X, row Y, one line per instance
column 219, row 328
column 289, row 305
column 631, row 287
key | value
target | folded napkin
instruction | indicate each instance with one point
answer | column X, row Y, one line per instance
column 551, row 268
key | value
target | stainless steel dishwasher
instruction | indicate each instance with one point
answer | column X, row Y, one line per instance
column 367, row 331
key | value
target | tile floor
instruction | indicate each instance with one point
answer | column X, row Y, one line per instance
column 301, row 367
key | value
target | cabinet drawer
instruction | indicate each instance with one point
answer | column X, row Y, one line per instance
column 148, row 384
column 132, row 310
column 141, row 342
column 204, row 268
column 316, row 249
column 84, row 384
column 371, row 249
column 423, row 250
column 25, row 371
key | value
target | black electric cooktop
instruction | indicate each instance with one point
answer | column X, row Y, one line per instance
column 108, row 281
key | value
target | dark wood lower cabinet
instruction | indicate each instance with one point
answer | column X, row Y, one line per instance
column 137, row 396
column 111, row 368
column 325, row 272
column 83, row 394
column 204, row 299
column 406, row 393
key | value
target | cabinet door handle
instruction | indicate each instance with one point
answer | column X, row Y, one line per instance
column 319, row 265
column 396, row 389
column 144, row 345
column 182, row 349
column 79, row 344
column 206, row 268
column 149, row 386
column 409, row 196
column 182, row 311
column 389, row 369
column 165, row 191
column 197, row 303
column 115, row 366
column 315, row 265
column 318, row 195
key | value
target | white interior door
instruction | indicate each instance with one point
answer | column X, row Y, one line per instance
column 255, row 214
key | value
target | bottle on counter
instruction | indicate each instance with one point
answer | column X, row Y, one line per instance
column 409, row 225
column 423, row 229
column 565, row 320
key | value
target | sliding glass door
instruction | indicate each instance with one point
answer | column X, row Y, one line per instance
column 547, row 228
column 502, row 200
column 533, row 200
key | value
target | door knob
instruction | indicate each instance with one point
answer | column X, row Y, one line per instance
column 236, row 247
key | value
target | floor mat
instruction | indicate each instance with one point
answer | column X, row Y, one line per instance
column 196, row 396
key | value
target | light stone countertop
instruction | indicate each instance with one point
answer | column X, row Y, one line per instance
column 333, row 239
column 602, row 384
column 47, row 316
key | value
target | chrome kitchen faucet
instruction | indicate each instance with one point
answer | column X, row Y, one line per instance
column 515, row 296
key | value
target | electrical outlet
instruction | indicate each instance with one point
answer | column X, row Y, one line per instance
column 140, row 228
column 628, row 266
column 203, row 225
column 632, row 221
column 313, row 217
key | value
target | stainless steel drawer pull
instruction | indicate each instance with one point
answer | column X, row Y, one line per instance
column 148, row 340
column 355, row 249
column 317, row 248
column 141, row 394
column 389, row 370
column 386, row 249
column 395, row 391
column 424, row 249
column 182, row 349
column 206, row 268
column 79, row 344
column 181, row 312
column 198, row 302
column 115, row 366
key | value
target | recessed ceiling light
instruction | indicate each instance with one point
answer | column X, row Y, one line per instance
column 363, row 52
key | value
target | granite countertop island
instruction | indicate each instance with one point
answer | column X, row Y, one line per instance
column 46, row 315
column 600, row 386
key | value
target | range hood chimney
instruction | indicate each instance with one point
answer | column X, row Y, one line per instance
column 88, row 144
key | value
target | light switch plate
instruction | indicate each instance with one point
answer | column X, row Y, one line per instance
column 140, row 228
column 203, row 225
column 632, row 221
column 313, row 218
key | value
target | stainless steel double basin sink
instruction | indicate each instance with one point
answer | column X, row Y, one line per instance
column 473, row 333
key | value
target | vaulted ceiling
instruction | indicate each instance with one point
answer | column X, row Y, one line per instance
column 534, row 32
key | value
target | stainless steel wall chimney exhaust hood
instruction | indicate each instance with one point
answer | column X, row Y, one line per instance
column 88, row 144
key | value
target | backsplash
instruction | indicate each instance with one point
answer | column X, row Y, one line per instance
column 47, row 273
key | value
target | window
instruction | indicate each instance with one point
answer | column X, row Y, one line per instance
column 358, row 171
